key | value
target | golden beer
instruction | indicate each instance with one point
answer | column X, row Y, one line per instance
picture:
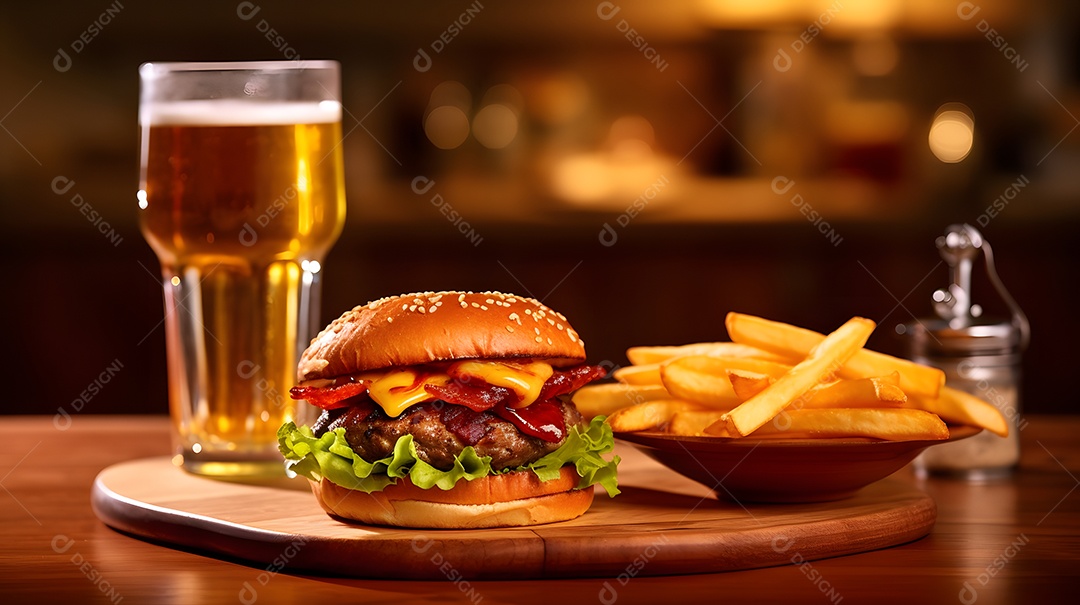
column 240, row 200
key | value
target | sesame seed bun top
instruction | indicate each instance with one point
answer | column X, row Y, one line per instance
column 425, row 327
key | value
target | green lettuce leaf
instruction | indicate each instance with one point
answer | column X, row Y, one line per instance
column 330, row 457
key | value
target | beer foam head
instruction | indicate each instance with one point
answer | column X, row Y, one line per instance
column 238, row 112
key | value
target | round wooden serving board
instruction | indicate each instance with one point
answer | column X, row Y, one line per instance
column 661, row 524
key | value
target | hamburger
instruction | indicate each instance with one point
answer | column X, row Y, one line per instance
column 449, row 410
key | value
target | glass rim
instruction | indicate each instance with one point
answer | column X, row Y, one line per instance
column 152, row 69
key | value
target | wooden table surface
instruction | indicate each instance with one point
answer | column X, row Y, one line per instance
column 1011, row 541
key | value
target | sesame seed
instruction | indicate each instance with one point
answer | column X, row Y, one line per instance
column 573, row 337
column 511, row 300
column 422, row 309
column 438, row 303
column 559, row 326
column 510, row 329
column 538, row 339
column 537, row 330
column 412, row 307
column 464, row 305
column 528, row 311
column 549, row 341
column 404, row 306
column 433, row 308
column 483, row 307
column 389, row 320
column 490, row 301
column 477, row 305
column 551, row 321
column 461, row 297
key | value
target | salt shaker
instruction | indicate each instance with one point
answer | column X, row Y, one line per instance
column 980, row 355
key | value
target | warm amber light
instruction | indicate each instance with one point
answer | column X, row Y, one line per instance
column 739, row 12
column 952, row 133
column 451, row 93
column 582, row 177
column 862, row 14
column 495, row 126
column 875, row 55
column 446, row 127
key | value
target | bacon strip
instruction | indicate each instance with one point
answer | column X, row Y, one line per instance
column 475, row 396
column 568, row 381
column 332, row 397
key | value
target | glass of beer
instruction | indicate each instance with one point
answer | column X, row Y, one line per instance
column 241, row 194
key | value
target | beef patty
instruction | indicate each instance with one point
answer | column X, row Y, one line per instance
column 372, row 434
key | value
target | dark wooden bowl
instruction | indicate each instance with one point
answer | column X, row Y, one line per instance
column 787, row 470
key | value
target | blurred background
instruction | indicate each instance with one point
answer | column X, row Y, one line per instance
column 643, row 167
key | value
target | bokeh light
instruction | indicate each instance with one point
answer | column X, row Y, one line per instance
column 952, row 133
column 495, row 126
column 446, row 127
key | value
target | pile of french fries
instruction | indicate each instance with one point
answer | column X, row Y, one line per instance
column 775, row 380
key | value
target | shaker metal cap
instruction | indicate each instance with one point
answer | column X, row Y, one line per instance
column 959, row 328
column 984, row 336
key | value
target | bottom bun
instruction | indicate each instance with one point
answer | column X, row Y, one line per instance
column 509, row 500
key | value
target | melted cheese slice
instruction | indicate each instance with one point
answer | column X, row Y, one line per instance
column 396, row 390
column 524, row 379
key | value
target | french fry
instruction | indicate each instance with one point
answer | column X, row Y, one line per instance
column 650, row 355
column 692, row 423
column 747, row 384
column 822, row 360
column 605, row 399
column 877, row 392
column 648, row 415
column 718, row 366
column 887, row 424
column 703, row 379
column 963, row 408
column 644, row 375
column 791, row 341
column 685, row 382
